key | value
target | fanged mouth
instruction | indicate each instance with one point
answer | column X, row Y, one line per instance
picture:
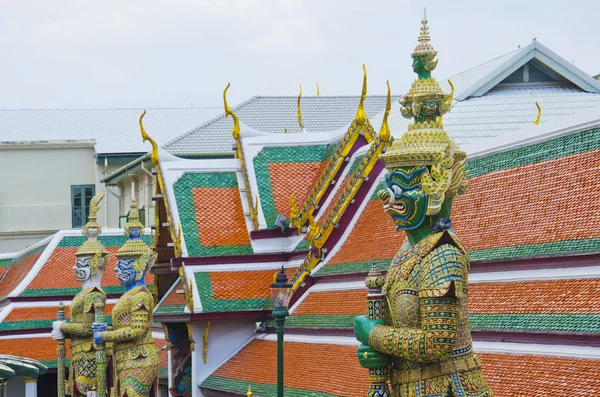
column 401, row 208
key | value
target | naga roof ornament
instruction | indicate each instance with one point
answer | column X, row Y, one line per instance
column 426, row 143
column 92, row 229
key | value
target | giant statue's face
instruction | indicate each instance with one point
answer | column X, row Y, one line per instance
column 403, row 198
column 430, row 107
column 82, row 268
column 417, row 65
column 125, row 271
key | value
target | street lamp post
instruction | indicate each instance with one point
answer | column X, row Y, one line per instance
column 281, row 292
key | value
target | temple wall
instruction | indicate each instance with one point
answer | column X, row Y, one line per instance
column 225, row 338
column 35, row 194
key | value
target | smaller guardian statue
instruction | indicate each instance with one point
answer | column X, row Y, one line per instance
column 89, row 268
column 135, row 354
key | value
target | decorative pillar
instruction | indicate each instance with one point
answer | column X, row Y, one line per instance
column 30, row 387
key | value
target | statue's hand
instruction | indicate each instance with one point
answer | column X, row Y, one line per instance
column 56, row 333
column 98, row 328
column 369, row 358
column 363, row 327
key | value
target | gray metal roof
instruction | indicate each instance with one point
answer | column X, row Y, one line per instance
column 115, row 130
column 274, row 114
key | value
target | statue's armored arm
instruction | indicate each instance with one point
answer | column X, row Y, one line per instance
column 432, row 343
column 83, row 325
column 442, row 278
column 141, row 317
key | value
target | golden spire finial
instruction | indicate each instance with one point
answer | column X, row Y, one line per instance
column 300, row 111
column 318, row 89
column 236, row 122
column 146, row 137
column 361, row 115
column 384, row 133
column 249, row 394
column 539, row 115
column 424, row 36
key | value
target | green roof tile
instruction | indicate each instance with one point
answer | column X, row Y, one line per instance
column 258, row 389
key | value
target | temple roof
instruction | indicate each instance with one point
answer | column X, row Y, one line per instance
column 44, row 269
column 115, row 130
column 275, row 115
column 508, row 372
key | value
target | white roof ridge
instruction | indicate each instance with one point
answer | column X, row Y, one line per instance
column 533, row 50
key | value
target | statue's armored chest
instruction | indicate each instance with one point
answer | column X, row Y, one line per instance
column 121, row 314
column 401, row 291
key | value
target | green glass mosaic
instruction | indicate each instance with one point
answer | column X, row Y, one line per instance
column 5, row 262
column 354, row 267
column 187, row 210
column 556, row 148
column 258, row 389
column 355, row 164
column 107, row 241
column 565, row 247
column 581, row 323
column 74, row 291
column 377, row 189
column 170, row 309
column 32, row 324
column 303, row 245
column 294, row 154
column 585, row 323
column 211, row 305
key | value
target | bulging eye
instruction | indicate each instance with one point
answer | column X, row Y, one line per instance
column 397, row 190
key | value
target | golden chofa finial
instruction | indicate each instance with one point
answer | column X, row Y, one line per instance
column 300, row 111
column 236, row 122
column 146, row 137
column 361, row 115
column 318, row 89
column 537, row 120
column 384, row 133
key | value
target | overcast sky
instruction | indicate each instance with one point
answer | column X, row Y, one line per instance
column 175, row 53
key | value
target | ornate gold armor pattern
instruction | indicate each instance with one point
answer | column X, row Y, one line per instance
column 135, row 353
column 427, row 330
column 79, row 331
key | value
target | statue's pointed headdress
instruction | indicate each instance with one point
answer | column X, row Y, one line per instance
column 426, row 143
column 92, row 247
column 424, row 49
column 134, row 247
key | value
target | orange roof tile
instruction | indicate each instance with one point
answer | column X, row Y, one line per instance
column 41, row 313
column 333, row 302
column 551, row 297
column 291, row 178
column 220, row 216
column 508, row 375
column 41, row 349
column 341, row 374
column 526, row 375
column 17, row 272
column 244, row 284
column 374, row 236
column 536, row 203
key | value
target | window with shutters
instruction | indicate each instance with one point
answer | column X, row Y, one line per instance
column 81, row 195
